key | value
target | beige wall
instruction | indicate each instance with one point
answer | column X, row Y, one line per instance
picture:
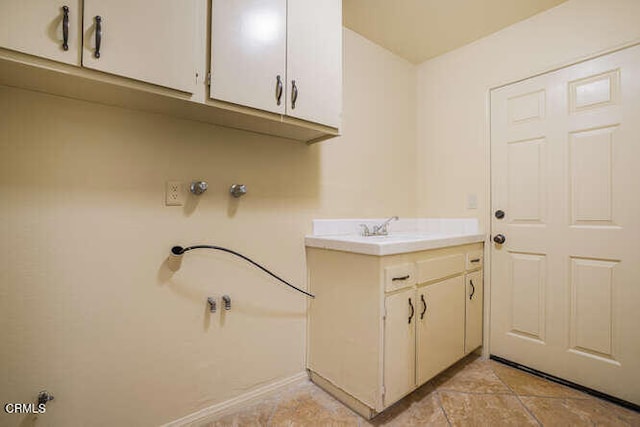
column 453, row 140
column 89, row 310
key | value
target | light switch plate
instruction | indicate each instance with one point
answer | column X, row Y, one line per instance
column 472, row 201
column 174, row 193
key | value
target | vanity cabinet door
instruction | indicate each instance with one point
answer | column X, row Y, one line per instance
column 248, row 53
column 399, row 345
column 153, row 42
column 37, row 27
column 473, row 304
column 440, row 327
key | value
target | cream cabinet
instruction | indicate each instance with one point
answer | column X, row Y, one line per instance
column 151, row 42
column 399, row 343
column 276, row 65
column 380, row 326
column 278, row 56
column 423, row 334
column 45, row 28
column 441, row 327
column 314, row 61
column 473, row 309
column 249, row 53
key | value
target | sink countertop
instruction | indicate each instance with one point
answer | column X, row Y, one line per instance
column 405, row 235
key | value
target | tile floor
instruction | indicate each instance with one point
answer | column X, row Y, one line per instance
column 473, row 392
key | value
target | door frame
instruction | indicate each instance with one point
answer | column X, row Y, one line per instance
column 486, row 327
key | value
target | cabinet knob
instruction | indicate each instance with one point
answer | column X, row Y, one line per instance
column 499, row 239
column 499, row 214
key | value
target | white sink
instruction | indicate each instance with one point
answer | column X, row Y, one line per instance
column 396, row 242
column 391, row 238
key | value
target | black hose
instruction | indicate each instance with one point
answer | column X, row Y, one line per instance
column 179, row 250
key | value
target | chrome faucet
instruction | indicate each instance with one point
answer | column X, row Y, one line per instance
column 383, row 229
column 378, row 229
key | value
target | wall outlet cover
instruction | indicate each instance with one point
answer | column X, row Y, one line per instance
column 175, row 193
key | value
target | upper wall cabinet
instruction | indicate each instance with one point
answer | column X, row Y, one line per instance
column 279, row 56
column 153, row 42
column 276, row 64
column 45, row 28
column 314, row 60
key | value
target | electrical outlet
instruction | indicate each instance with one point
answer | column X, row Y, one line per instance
column 174, row 193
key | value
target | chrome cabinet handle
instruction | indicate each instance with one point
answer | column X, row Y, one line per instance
column 473, row 289
column 424, row 306
column 65, row 27
column 294, row 94
column 279, row 88
column 412, row 311
column 98, row 36
column 400, row 278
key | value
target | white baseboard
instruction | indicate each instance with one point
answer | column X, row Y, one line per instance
column 237, row 402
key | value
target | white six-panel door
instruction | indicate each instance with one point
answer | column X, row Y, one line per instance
column 565, row 293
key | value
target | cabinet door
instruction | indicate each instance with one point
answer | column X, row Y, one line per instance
column 153, row 42
column 248, row 53
column 36, row 27
column 399, row 345
column 440, row 327
column 473, row 302
column 314, row 61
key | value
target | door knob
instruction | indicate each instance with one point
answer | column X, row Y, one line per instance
column 499, row 214
column 499, row 239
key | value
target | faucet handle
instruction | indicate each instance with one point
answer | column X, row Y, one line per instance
column 365, row 230
column 198, row 187
column 227, row 302
column 212, row 304
column 238, row 190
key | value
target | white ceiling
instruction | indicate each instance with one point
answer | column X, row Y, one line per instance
column 421, row 29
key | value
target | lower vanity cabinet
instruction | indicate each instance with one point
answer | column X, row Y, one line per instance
column 423, row 334
column 381, row 326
